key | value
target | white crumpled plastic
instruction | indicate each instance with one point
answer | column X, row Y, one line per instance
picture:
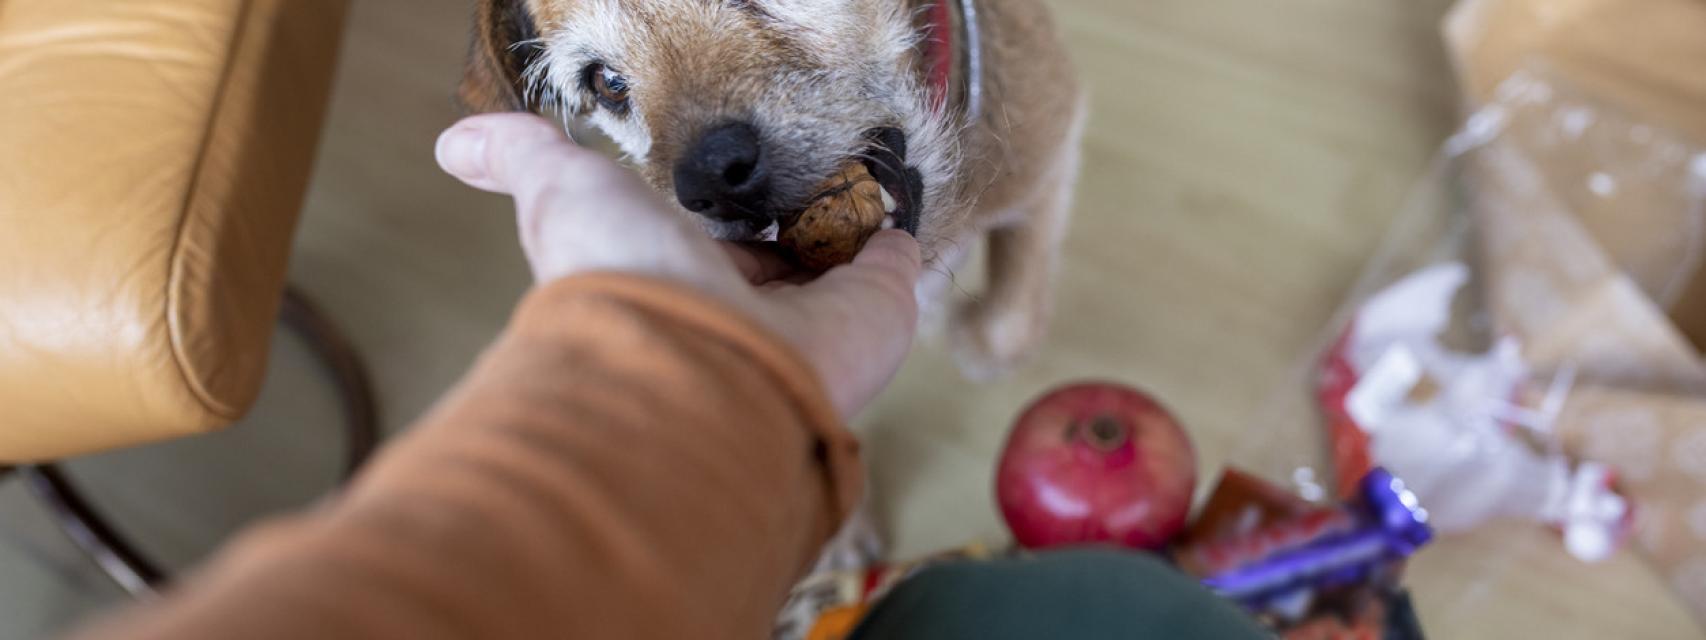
column 1453, row 426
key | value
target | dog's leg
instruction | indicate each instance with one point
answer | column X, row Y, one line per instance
column 993, row 332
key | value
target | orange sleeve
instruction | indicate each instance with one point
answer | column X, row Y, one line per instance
column 628, row 460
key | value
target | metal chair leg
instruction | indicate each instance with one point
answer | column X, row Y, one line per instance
column 130, row 568
column 133, row 572
column 349, row 373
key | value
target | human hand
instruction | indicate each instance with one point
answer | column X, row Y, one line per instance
column 579, row 212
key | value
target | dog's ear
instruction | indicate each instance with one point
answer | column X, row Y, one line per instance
column 504, row 44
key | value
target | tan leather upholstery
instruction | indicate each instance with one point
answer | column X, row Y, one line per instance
column 153, row 157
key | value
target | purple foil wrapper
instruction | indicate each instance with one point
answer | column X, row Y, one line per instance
column 1393, row 527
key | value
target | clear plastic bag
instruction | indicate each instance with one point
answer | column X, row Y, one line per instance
column 1526, row 280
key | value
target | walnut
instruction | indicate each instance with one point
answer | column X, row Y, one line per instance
column 847, row 211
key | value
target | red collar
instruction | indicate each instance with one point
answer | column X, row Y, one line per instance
column 939, row 52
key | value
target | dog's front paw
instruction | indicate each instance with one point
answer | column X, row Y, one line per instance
column 988, row 341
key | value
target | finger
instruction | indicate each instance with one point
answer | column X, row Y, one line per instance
column 576, row 210
column 858, row 319
column 893, row 250
column 879, row 284
column 758, row 263
column 890, row 263
column 505, row 151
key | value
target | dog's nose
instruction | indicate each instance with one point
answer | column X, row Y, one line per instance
column 723, row 175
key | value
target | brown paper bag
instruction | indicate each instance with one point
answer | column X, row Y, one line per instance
column 1550, row 282
column 1641, row 56
column 1635, row 184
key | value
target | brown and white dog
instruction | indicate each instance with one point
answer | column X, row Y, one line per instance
column 966, row 111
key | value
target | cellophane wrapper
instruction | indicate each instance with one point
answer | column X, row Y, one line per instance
column 1509, row 351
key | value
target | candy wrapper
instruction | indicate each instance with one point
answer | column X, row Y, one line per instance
column 1340, row 546
column 1512, row 351
column 1331, row 584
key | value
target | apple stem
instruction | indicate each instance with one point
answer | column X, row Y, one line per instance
column 1105, row 433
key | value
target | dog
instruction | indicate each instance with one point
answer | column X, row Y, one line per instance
column 967, row 112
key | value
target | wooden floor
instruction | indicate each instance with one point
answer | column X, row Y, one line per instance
column 1244, row 158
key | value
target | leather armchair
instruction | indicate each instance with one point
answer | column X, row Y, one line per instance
column 153, row 158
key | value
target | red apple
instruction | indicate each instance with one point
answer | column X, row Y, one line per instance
column 1096, row 463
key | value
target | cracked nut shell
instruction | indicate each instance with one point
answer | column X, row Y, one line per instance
column 847, row 211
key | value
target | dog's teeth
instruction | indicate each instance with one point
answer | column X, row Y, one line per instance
column 888, row 201
column 888, row 221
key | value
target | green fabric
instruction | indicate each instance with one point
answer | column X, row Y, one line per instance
column 1071, row 595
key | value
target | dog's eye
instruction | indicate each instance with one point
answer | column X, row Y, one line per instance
column 610, row 87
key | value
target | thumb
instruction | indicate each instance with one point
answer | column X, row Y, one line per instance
column 884, row 274
column 517, row 154
column 856, row 322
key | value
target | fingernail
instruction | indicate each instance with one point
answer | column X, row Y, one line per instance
column 461, row 152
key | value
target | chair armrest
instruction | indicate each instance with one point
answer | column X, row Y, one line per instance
column 155, row 158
